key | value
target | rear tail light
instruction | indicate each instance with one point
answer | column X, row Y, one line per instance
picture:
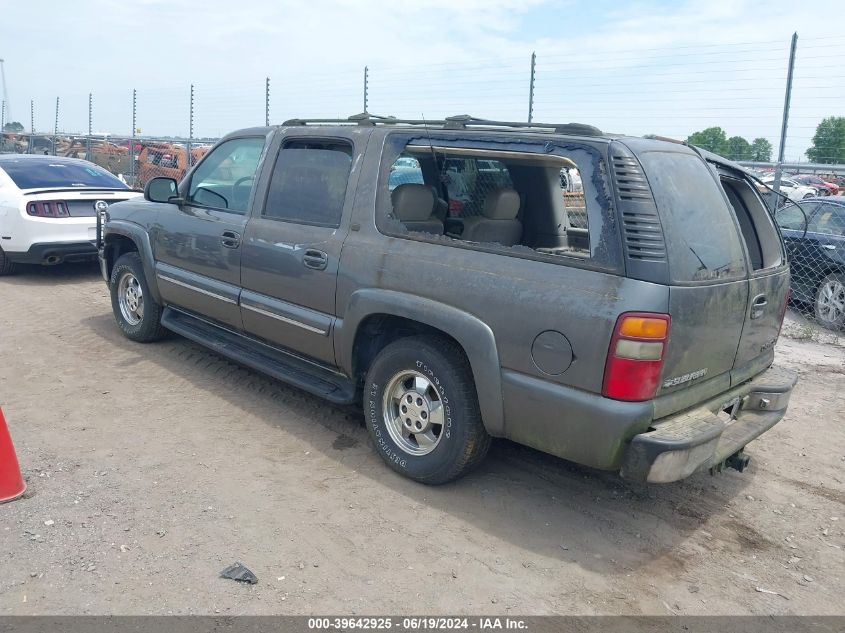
column 48, row 209
column 455, row 207
column 635, row 358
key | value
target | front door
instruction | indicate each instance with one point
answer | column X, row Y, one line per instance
column 198, row 248
column 292, row 246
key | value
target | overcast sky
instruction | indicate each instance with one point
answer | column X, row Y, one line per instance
column 643, row 67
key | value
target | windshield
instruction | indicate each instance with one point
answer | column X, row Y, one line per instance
column 28, row 173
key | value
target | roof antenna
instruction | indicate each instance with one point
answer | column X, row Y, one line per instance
column 430, row 144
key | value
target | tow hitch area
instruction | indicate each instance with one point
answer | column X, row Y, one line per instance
column 738, row 461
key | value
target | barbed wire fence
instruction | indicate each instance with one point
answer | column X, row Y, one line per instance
column 142, row 133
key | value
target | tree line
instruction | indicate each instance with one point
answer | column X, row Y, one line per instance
column 828, row 144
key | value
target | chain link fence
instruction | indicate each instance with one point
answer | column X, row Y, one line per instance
column 134, row 160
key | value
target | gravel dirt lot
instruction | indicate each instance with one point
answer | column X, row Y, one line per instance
column 151, row 468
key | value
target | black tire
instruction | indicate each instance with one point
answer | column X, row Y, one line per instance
column 7, row 267
column 148, row 328
column 829, row 304
column 462, row 441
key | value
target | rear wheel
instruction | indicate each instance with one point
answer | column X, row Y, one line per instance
column 136, row 312
column 422, row 410
column 830, row 302
column 7, row 267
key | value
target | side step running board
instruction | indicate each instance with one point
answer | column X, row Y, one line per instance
column 247, row 351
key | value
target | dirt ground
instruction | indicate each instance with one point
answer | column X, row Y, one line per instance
column 151, row 468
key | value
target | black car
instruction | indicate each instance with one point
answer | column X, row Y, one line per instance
column 815, row 239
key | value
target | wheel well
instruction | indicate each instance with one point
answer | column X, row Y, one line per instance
column 116, row 246
column 379, row 330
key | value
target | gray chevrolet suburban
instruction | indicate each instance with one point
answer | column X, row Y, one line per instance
column 436, row 273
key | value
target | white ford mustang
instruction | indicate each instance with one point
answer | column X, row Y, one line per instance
column 49, row 207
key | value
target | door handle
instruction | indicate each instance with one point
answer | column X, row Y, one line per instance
column 318, row 260
column 230, row 239
column 758, row 306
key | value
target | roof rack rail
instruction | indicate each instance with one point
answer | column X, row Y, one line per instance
column 457, row 122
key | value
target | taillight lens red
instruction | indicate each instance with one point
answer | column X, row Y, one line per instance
column 635, row 358
column 48, row 209
column 455, row 207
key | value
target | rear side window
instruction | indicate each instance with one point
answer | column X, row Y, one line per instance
column 830, row 220
column 702, row 239
column 309, row 183
column 502, row 199
column 792, row 218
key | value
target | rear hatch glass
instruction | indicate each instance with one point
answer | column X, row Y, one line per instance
column 703, row 243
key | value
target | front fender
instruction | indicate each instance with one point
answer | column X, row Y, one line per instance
column 139, row 235
column 472, row 334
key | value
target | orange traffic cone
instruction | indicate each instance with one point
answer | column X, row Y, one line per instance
column 11, row 482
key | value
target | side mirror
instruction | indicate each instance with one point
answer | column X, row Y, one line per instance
column 161, row 190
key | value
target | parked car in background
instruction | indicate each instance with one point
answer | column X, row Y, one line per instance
column 169, row 160
column 822, row 186
column 814, row 233
column 791, row 189
column 640, row 343
column 570, row 181
column 49, row 207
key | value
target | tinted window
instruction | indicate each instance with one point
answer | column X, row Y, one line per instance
column 792, row 218
column 30, row 173
column 309, row 184
column 224, row 179
column 701, row 234
column 830, row 220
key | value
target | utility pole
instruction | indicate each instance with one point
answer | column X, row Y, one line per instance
column 132, row 140
column 531, row 88
column 191, row 128
column 267, row 102
column 31, row 125
column 5, row 90
column 786, row 100
column 56, row 126
column 3, row 117
column 90, row 125
column 366, row 87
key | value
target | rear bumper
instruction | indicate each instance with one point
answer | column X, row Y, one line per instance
column 676, row 446
column 55, row 253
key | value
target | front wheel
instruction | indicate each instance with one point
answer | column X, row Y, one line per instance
column 830, row 302
column 137, row 314
column 422, row 410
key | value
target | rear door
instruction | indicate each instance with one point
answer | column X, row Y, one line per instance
column 768, row 280
column 708, row 286
column 292, row 244
column 802, row 256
